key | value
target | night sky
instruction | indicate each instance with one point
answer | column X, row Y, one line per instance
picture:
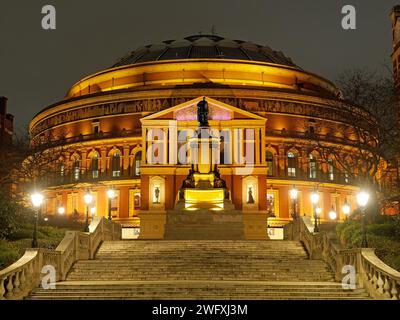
column 37, row 67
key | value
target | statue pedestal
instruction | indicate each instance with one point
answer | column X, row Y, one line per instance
column 152, row 224
column 255, row 225
column 204, row 198
column 204, row 224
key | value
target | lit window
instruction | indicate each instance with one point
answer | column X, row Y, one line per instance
column 346, row 177
column 138, row 161
column 291, row 164
column 95, row 167
column 62, row 170
column 116, row 165
column 77, row 169
column 331, row 170
column 313, row 167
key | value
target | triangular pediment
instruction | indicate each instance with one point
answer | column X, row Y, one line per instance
column 218, row 111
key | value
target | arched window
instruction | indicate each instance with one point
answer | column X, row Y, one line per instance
column 269, row 158
column 313, row 167
column 138, row 161
column 116, row 165
column 62, row 170
column 95, row 166
column 291, row 164
column 77, row 169
column 331, row 170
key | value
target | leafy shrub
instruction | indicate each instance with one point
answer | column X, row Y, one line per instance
column 22, row 233
column 385, row 229
column 381, row 236
column 8, row 254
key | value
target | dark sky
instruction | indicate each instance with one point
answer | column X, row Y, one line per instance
column 37, row 67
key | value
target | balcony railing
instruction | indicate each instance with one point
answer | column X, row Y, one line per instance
column 55, row 178
column 320, row 177
column 90, row 137
column 309, row 136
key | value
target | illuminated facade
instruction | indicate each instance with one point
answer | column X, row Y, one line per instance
column 6, row 123
column 258, row 99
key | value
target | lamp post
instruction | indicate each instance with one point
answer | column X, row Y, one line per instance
column 362, row 200
column 293, row 195
column 332, row 214
column 346, row 209
column 37, row 200
column 314, row 201
column 88, row 198
column 110, row 195
column 61, row 211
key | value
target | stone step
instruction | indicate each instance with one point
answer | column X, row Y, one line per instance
column 200, row 269
column 197, row 290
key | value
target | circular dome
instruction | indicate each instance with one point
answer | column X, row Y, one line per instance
column 207, row 47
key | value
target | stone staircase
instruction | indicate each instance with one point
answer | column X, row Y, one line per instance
column 191, row 269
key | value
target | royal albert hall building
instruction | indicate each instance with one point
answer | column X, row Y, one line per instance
column 109, row 121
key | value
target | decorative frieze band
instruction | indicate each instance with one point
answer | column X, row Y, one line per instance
column 155, row 105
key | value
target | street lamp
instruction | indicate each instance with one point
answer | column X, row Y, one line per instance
column 110, row 195
column 332, row 214
column 346, row 209
column 61, row 211
column 314, row 201
column 362, row 200
column 293, row 195
column 318, row 211
column 88, row 198
column 37, row 200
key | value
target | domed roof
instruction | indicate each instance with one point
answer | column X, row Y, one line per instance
column 205, row 46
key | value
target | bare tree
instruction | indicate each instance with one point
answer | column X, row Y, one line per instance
column 365, row 145
column 26, row 163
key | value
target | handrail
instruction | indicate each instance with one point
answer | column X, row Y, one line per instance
column 17, row 280
column 380, row 280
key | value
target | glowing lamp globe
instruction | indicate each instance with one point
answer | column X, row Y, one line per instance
column 346, row 209
column 88, row 198
column 293, row 194
column 362, row 198
column 314, row 198
column 110, row 194
column 37, row 199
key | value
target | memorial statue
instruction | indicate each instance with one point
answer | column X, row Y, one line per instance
column 157, row 195
column 251, row 199
column 218, row 181
column 202, row 113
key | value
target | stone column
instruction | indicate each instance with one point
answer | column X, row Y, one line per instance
column 263, row 144
column 84, row 166
column 103, row 157
column 173, row 143
column 282, row 160
column 165, row 145
column 144, row 145
column 125, row 162
column 257, row 148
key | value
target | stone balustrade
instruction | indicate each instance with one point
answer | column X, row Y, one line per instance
column 17, row 280
column 380, row 280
